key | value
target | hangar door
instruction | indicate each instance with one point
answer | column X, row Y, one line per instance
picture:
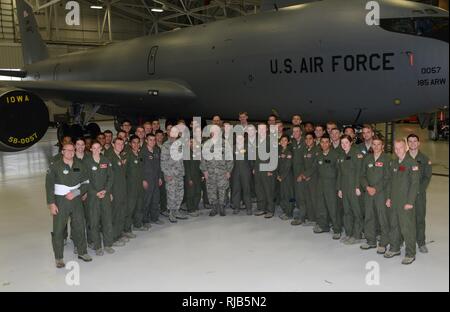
column 151, row 63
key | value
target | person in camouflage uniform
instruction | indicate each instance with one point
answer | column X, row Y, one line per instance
column 216, row 168
column 173, row 170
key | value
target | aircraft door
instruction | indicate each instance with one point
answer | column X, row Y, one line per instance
column 151, row 63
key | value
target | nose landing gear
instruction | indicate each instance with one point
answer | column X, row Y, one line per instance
column 79, row 127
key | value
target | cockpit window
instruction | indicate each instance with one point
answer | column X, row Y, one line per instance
column 431, row 27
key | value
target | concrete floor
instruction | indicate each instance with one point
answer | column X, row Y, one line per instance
column 232, row 253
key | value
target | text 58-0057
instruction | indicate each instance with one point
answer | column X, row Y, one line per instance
column 24, row 140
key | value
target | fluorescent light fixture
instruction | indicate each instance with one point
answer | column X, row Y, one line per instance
column 158, row 10
column 96, row 7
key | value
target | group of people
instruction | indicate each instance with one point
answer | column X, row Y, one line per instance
column 333, row 180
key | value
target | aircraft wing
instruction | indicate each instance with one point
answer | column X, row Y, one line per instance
column 109, row 93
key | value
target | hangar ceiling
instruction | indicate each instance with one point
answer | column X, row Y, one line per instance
column 152, row 16
column 103, row 21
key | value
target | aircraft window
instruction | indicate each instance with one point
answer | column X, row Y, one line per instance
column 431, row 27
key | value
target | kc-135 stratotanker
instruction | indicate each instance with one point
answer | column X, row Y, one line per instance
column 318, row 58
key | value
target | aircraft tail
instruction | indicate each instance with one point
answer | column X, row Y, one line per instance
column 33, row 47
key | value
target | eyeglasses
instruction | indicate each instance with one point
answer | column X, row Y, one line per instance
column 69, row 150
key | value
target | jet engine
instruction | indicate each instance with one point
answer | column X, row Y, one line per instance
column 24, row 119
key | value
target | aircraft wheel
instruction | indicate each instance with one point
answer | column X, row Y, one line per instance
column 76, row 131
column 93, row 129
column 63, row 130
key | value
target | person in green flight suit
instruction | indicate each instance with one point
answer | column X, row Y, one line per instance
column 119, row 190
column 326, row 195
column 193, row 180
column 349, row 168
column 263, row 170
column 298, row 148
column 285, row 177
column 80, row 154
column 66, row 181
column 403, row 189
column 309, row 179
column 99, row 199
column 135, row 189
column 152, row 180
column 425, row 177
column 241, row 177
column 375, row 175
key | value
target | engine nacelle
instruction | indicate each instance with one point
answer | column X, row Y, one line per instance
column 24, row 119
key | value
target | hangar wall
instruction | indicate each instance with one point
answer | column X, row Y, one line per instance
column 53, row 26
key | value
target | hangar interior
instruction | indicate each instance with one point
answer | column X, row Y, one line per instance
column 242, row 253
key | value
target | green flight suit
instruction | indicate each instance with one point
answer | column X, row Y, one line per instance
column 85, row 204
column 192, row 182
column 135, row 189
column 119, row 192
column 310, row 186
column 241, row 179
column 151, row 173
column 403, row 188
column 362, row 148
column 349, row 168
column 285, row 173
column 340, row 203
column 162, row 192
column 298, row 150
column 59, row 173
column 421, row 202
column 326, row 194
column 100, row 209
column 376, row 173
column 264, row 181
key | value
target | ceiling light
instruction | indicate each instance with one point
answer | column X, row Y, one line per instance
column 158, row 10
column 96, row 7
